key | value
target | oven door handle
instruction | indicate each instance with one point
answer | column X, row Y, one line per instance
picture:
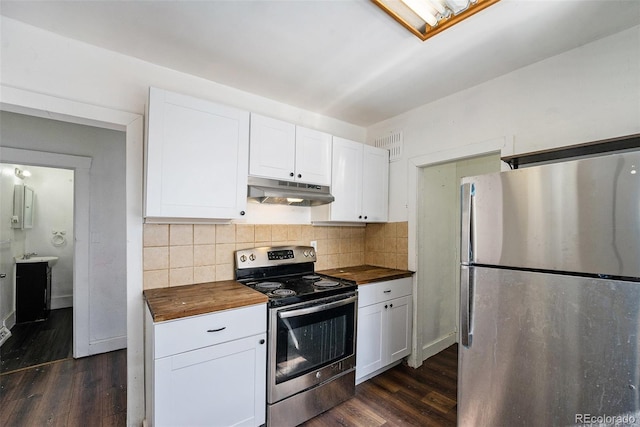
column 317, row 308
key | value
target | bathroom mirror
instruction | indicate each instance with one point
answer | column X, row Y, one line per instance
column 23, row 198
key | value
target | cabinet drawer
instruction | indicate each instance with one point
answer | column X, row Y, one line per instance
column 373, row 293
column 189, row 333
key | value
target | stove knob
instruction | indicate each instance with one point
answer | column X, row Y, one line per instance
column 306, row 253
column 312, row 254
column 252, row 257
column 243, row 258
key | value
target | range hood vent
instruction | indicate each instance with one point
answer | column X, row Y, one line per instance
column 263, row 190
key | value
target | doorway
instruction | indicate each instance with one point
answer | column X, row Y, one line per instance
column 438, row 229
column 49, row 234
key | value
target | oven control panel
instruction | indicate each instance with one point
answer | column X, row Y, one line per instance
column 271, row 256
column 280, row 254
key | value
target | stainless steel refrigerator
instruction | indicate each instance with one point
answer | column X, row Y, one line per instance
column 550, row 295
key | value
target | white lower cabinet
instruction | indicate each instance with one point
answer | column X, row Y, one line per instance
column 207, row 370
column 384, row 326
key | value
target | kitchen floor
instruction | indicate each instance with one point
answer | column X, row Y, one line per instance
column 92, row 391
column 402, row 396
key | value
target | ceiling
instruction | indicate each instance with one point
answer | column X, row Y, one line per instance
column 345, row 59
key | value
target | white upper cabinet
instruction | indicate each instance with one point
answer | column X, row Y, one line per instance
column 375, row 184
column 281, row 150
column 359, row 183
column 272, row 150
column 196, row 159
column 313, row 156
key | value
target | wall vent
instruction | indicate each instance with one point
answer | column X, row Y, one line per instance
column 392, row 142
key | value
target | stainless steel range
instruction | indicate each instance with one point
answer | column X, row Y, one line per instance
column 311, row 332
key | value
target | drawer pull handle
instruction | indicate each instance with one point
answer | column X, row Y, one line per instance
column 388, row 291
column 217, row 330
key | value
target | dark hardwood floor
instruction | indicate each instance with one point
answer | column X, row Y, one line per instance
column 91, row 391
column 402, row 396
column 35, row 343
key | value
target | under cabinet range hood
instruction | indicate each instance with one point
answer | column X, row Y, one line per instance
column 279, row 192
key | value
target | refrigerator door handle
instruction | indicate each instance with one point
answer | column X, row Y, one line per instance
column 467, row 192
column 466, row 305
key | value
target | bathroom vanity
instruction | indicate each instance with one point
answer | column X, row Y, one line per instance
column 33, row 290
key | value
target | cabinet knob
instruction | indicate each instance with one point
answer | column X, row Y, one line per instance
column 359, row 216
column 390, row 305
column 242, row 213
column 261, row 341
column 299, row 175
column 386, row 306
column 290, row 173
column 365, row 217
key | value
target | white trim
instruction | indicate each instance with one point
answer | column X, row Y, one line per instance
column 36, row 104
column 437, row 346
column 504, row 145
column 64, row 301
column 81, row 167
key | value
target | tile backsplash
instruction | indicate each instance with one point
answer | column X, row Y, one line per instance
column 182, row 254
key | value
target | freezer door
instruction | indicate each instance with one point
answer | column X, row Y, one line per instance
column 549, row 350
column 580, row 216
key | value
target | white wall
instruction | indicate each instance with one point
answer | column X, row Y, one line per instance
column 587, row 94
column 53, row 210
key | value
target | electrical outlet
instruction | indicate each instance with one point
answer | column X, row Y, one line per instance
column 314, row 245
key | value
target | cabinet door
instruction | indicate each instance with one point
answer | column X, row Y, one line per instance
column 272, row 148
column 399, row 316
column 370, row 346
column 346, row 180
column 220, row 385
column 375, row 184
column 313, row 156
column 196, row 158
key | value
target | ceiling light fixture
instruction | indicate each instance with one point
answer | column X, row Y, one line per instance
column 426, row 18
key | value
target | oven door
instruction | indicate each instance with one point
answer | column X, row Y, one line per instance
column 310, row 343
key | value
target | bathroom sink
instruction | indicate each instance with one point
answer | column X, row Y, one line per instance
column 48, row 259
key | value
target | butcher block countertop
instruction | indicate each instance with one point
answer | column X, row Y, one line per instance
column 202, row 298
column 364, row 274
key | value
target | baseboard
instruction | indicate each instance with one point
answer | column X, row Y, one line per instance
column 10, row 320
column 105, row 346
column 65, row 301
column 4, row 334
column 438, row 345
